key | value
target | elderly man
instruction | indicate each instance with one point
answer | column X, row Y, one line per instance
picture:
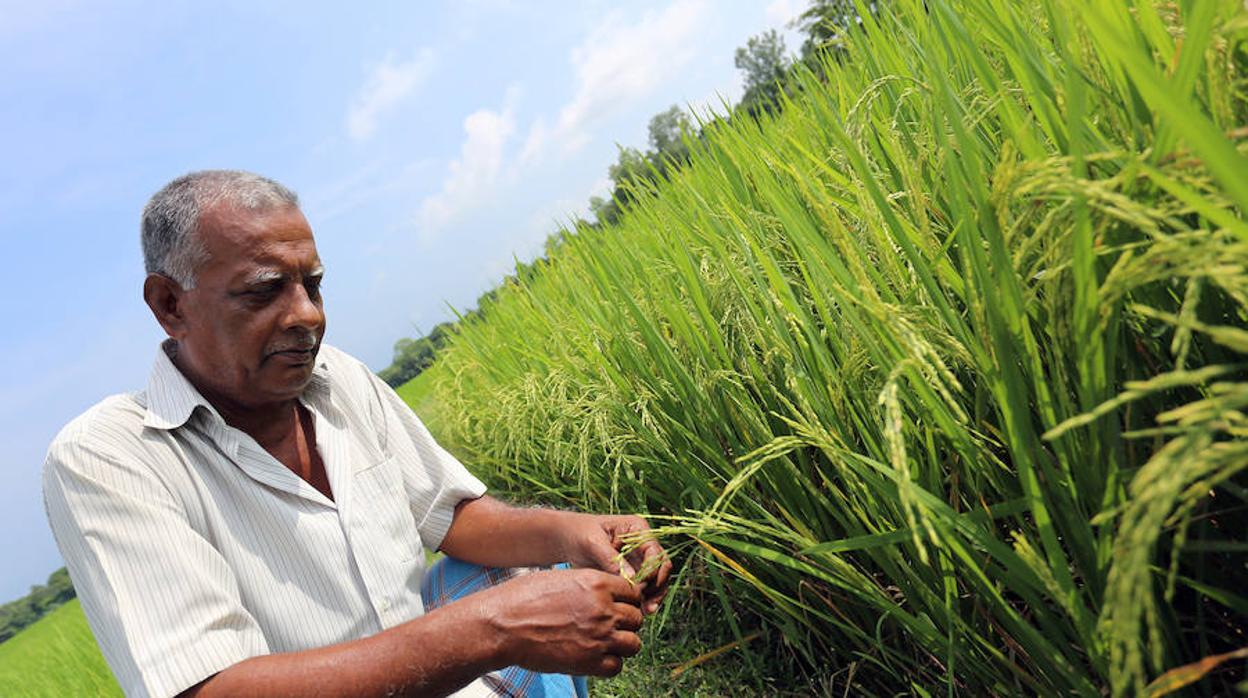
column 253, row 522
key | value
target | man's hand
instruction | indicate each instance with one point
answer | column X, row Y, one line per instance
column 597, row 541
column 486, row 531
column 565, row 621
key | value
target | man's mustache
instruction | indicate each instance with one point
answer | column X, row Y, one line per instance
column 303, row 342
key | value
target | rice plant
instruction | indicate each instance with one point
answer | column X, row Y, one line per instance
column 942, row 370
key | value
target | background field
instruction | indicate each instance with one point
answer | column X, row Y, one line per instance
column 55, row 657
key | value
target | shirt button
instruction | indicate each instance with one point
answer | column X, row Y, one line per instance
column 384, row 603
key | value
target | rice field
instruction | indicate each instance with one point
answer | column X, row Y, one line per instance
column 57, row 656
column 941, row 372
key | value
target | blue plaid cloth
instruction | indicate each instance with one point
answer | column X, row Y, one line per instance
column 452, row 579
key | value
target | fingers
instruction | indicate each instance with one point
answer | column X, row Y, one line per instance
column 664, row 572
column 623, row 590
column 651, row 604
column 608, row 666
column 658, row 590
column 653, row 559
column 630, row 617
column 607, row 559
column 624, row 643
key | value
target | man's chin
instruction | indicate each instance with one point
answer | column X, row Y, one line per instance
column 288, row 380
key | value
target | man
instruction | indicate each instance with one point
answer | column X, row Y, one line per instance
column 253, row 522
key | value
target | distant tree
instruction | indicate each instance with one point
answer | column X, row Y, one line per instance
column 42, row 599
column 413, row 356
column 629, row 169
column 633, row 170
column 667, row 131
column 60, row 587
column 825, row 24
column 765, row 67
column 558, row 238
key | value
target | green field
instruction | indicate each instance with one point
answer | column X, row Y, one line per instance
column 940, row 374
column 417, row 393
column 936, row 380
column 56, row 656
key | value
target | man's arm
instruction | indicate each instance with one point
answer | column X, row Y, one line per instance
column 577, row 622
column 167, row 610
column 481, row 530
column 486, row 531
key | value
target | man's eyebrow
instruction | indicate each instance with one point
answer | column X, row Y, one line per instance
column 317, row 272
column 264, row 276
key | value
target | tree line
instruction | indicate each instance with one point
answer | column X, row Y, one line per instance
column 766, row 69
column 42, row 599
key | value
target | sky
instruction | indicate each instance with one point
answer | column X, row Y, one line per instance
column 431, row 144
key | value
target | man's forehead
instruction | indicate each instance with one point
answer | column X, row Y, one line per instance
column 230, row 225
column 269, row 242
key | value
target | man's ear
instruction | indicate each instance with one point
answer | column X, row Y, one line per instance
column 167, row 300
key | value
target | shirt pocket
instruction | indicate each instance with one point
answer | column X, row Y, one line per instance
column 381, row 505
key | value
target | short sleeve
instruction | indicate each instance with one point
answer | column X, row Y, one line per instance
column 163, row 604
column 445, row 482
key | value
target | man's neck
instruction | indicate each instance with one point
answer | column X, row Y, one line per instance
column 268, row 423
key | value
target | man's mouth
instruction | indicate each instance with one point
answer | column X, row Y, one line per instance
column 292, row 356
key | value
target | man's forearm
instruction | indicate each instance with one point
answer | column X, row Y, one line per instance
column 433, row 655
column 565, row 621
column 486, row 531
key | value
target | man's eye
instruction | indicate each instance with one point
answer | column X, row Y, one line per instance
column 313, row 287
column 262, row 293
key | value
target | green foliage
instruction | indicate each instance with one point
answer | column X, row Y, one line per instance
column 43, row 598
column 411, row 356
column 941, row 369
column 827, row 24
column 766, row 69
column 418, row 394
column 56, row 657
column 765, row 65
column 635, row 172
column 693, row 642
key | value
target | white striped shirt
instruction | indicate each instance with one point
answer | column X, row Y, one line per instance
column 192, row 548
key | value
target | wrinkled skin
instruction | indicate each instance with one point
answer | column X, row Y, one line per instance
column 247, row 343
column 597, row 541
column 577, row 621
column 247, row 335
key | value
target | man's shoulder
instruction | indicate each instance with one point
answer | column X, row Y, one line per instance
column 345, row 371
column 114, row 423
column 335, row 358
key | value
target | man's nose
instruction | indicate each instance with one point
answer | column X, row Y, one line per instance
column 303, row 311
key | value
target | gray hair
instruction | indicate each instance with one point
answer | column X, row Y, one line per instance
column 171, row 243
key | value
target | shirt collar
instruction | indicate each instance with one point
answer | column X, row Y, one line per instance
column 171, row 399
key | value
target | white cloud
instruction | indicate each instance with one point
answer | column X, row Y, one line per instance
column 617, row 64
column 781, row 12
column 472, row 175
column 535, row 142
column 388, row 84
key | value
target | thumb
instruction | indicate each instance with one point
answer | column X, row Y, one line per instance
column 608, row 559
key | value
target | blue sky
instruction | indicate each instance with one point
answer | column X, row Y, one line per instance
column 431, row 144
